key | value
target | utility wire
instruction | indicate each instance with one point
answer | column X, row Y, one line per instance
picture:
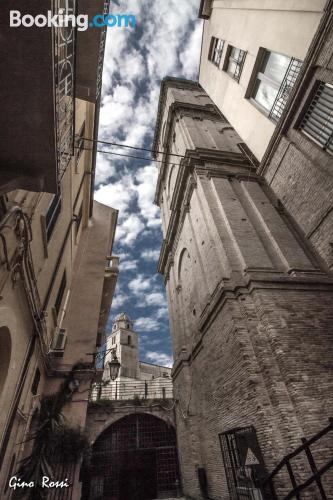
column 126, row 156
column 130, row 147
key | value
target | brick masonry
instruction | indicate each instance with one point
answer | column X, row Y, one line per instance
column 297, row 169
column 250, row 300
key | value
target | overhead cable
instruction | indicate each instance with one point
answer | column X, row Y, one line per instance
column 130, row 147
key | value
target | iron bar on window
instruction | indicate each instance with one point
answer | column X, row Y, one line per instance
column 286, row 86
column 318, row 120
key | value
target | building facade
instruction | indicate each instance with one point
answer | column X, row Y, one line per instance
column 136, row 379
column 131, row 426
column 267, row 66
column 250, row 304
column 57, row 274
column 251, row 55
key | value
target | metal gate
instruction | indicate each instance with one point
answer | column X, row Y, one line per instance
column 134, row 459
column 243, row 463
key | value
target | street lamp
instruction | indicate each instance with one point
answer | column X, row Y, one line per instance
column 114, row 366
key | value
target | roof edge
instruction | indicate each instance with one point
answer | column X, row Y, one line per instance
column 205, row 9
column 168, row 81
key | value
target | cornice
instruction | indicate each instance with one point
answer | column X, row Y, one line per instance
column 169, row 82
column 195, row 163
column 255, row 283
column 205, row 9
column 178, row 110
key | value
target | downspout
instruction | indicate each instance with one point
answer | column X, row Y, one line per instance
column 13, row 411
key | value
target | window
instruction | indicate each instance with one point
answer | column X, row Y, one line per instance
column 129, row 340
column 80, row 143
column 52, row 215
column 273, row 82
column 35, row 383
column 234, row 62
column 60, row 294
column 317, row 122
column 215, row 50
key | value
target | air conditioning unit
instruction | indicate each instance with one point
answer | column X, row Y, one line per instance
column 58, row 343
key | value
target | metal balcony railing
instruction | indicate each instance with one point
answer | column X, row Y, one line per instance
column 158, row 388
column 101, row 52
column 64, row 77
column 285, row 89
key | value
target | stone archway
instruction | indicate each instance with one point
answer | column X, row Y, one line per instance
column 133, row 459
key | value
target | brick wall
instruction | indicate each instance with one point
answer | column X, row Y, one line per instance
column 298, row 170
column 250, row 303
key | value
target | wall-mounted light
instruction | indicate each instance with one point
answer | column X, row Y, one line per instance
column 114, row 365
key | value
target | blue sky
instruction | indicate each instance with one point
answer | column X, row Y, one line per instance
column 166, row 41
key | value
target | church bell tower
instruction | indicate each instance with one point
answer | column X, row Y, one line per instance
column 250, row 302
column 125, row 341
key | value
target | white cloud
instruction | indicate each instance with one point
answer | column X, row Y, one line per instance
column 147, row 341
column 162, row 313
column 104, row 168
column 122, row 193
column 159, row 358
column 147, row 324
column 118, row 194
column 129, row 265
column 123, row 256
column 171, row 47
column 128, row 230
column 189, row 56
column 147, row 177
column 168, row 43
column 152, row 299
column 150, row 255
column 119, row 300
column 140, row 284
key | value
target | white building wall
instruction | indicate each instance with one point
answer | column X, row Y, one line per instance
column 285, row 27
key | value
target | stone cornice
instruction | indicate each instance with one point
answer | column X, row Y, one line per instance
column 166, row 83
column 179, row 108
column 221, row 164
column 319, row 283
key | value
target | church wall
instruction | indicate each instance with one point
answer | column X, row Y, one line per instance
column 246, row 373
column 251, row 306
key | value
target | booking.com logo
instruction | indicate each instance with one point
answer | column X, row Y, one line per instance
column 62, row 20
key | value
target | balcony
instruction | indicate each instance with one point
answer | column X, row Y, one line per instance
column 37, row 111
column 137, row 391
column 90, row 52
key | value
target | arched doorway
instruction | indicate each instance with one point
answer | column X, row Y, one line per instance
column 133, row 459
